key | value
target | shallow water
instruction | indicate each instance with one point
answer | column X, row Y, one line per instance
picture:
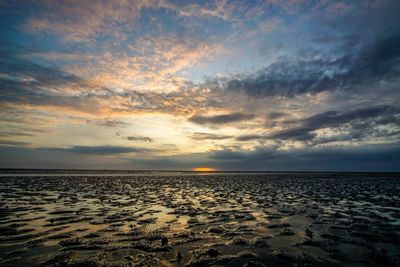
column 186, row 219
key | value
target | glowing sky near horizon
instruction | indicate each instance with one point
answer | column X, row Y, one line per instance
column 230, row 85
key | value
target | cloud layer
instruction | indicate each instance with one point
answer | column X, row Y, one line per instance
column 232, row 84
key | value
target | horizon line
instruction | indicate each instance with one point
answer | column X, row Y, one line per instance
column 191, row 171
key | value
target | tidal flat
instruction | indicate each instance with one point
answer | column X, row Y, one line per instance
column 187, row 219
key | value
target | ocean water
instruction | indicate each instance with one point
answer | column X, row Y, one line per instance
column 161, row 218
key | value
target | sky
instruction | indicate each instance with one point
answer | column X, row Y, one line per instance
column 270, row 85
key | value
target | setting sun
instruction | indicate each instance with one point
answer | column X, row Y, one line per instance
column 204, row 169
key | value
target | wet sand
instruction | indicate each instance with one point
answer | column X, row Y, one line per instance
column 248, row 220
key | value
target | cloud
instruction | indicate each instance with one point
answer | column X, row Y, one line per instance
column 112, row 123
column 15, row 133
column 225, row 10
column 209, row 136
column 85, row 22
column 276, row 115
column 12, row 130
column 139, row 138
column 108, row 90
column 99, row 150
column 262, row 153
column 249, row 137
column 221, row 119
column 378, row 157
column 7, row 143
column 316, row 76
column 373, row 123
column 23, row 79
column 331, row 119
column 364, row 64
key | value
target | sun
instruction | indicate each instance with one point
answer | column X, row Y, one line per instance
column 204, row 169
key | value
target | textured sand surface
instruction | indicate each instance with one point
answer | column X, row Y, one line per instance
column 200, row 220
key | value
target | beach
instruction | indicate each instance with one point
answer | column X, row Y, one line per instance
column 232, row 219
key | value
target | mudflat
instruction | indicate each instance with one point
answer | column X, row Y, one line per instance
column 231, row 219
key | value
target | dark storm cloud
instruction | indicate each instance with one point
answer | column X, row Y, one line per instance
column 360, row 118
column 354, row 125
column 99, row 150
column 360, row 133
column 221, row 119
column 363, row 64
column 276, row 115
column 302, row 134
column 209, row 136
column 249, row 137
column 333, row 118
column 139, row 138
